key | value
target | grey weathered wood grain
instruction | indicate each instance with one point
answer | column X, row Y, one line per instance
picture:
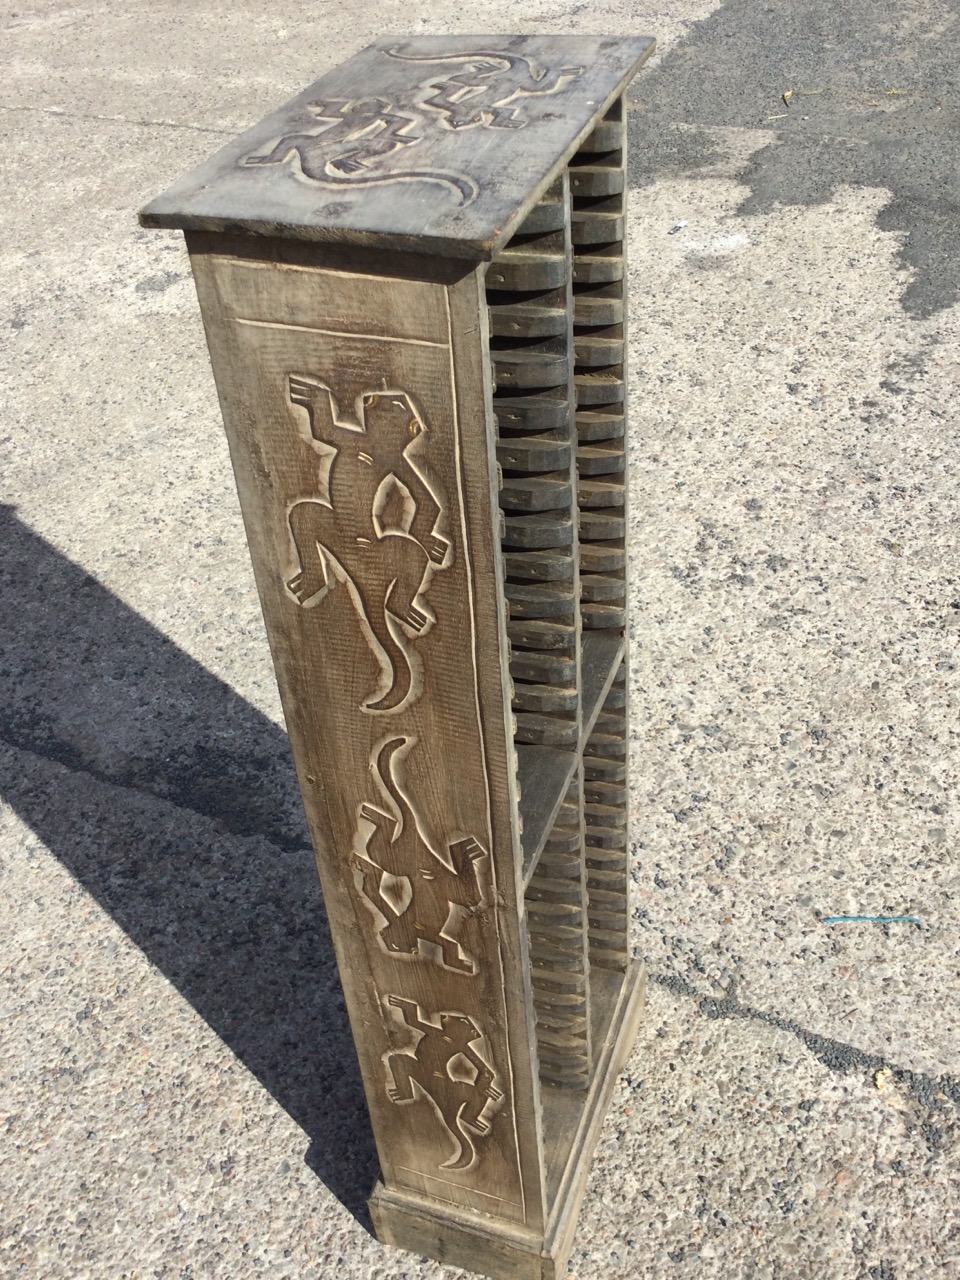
column 526, row 320
column 380, row 152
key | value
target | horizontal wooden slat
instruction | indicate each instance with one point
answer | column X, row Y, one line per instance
column 558, row 1040
column 548, row 215
column 598, row 388
column 526, row 270
column 598, row 268
column 604, row 815
column 539, row 600
column 595, row 180
column 598, row 588
column 592, row 352
column 609, row 958
column 557, row 1023
column 599, row 424
column 550, row 888
column 533, row 634
column 612, row 880
column 604, row 769
column 554, row 862
column 559, row 936
column 607, row 909
column 602, row 494
column 603, row 838
column 556, row 667
column 560, row 1077
column 538, row 566
column 555, row 952
column 611, row 793
column 537, row 532
column 544, row 698
column 608, row 863
column 602, row 617
column 601, row 557
column 523, row 367
column 609, row 924
column 531, row 413
column 591, row 308
column 598, row 460
column 533, row 453
column 574, row 981
column 612, row 938
column 617, row 697
column 610, row 722
column 542, row 909
column 607, row 745
column 545, row 730
column 595, row 227
column 528, row 320
column 561, row 1074
column 602, row 526
column 607, row 136
column 562, row 840
column 535, row 493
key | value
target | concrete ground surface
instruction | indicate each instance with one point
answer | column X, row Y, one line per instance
column 178, row 1093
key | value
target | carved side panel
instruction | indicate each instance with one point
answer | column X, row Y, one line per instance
column 339, row 394
column 424, row 898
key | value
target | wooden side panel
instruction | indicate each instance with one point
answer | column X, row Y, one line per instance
column 367, row 501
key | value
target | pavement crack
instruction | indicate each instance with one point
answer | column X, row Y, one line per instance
column 143, row 124
column 931, row 1093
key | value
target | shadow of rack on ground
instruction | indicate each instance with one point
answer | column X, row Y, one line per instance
column 216, row 884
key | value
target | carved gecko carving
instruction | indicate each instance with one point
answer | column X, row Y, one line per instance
column 351, row 143
column 481, row 93
column 437, row 895
column 375, row 528
column 355, row 142
column 443, row 1056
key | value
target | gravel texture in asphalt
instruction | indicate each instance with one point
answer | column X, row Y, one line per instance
column 178, row 1090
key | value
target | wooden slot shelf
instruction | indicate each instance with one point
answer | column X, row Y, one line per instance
column 575, row 920
column 414, row 303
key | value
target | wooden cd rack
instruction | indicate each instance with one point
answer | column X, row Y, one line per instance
column 412, row 282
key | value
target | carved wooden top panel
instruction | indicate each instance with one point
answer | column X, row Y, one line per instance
column 437, row 143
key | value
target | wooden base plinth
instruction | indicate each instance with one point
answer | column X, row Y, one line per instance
column 571, row 1122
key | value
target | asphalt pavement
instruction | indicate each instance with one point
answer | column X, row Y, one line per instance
column 178, row 1092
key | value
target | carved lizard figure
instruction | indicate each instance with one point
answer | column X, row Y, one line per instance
column 488, row 82
column 397, row 848
column 460, row 1103
column 356, row 532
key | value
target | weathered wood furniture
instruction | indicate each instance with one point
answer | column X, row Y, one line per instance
column 412, row 281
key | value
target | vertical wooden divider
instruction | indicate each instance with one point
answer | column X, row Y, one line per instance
column 598, row 177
